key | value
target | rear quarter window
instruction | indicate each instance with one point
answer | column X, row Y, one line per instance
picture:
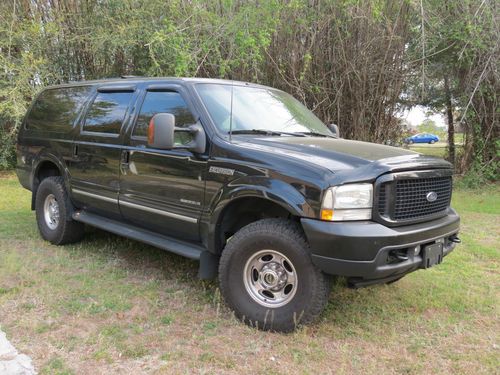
column 107, row 112
column 55, row 110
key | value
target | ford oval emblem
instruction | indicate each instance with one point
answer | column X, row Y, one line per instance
column 431, row 196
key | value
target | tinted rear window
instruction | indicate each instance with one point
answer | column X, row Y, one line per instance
column 107, row 112
column 56, row 110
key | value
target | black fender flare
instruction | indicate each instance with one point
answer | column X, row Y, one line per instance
column 38, row 161
column 273, row 190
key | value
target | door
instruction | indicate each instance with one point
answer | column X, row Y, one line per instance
column 162, row 190
column 95, row 166
column 420, row 138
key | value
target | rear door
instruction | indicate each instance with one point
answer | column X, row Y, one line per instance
column 162, row 190
column 95, row 168
column 51, row 125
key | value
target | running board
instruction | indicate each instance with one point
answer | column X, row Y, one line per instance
column 186, row 249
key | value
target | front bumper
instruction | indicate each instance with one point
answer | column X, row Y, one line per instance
column 364, row 251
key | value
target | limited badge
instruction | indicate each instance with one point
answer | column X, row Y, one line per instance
column 219, row 170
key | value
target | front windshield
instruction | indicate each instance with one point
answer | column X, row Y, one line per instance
column 258, row 109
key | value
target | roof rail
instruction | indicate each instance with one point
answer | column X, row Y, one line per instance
column 131, row 76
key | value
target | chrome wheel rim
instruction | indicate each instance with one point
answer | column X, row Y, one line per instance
column 51, row 211
column 270, row 278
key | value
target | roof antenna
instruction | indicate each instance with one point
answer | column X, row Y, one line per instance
column 231, row 112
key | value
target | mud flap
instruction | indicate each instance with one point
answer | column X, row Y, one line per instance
column 209, row 266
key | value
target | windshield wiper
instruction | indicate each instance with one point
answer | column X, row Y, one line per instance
column 314, row 134
column 265, row 132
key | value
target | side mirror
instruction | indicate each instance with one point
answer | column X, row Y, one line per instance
column 334, row 129
column 161, row 134
column 161, row 131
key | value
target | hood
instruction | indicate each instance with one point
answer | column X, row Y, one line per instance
column 331, row 153
column 341, row 155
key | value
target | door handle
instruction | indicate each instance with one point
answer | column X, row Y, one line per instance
column 125, row 156
column 124, row 162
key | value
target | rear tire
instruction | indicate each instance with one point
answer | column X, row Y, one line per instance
column 267, row 277
column 52, row 213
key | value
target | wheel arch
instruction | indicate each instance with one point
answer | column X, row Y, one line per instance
column 241, row 204
column 46, row 166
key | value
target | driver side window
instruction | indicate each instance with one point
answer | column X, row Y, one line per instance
column 164, row 102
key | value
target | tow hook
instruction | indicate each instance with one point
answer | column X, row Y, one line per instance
column 401, row 255
column 455, row 239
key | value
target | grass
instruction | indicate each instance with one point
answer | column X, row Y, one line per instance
column 111, row 305
column 430, row 150
column 437, row 149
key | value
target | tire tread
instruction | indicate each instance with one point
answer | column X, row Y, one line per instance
column 288, row 231
column 71, row 231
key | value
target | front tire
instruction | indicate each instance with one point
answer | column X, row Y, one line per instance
column 267, row 277
column 52, row 213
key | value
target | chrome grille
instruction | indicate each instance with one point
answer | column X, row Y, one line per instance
column 382, row 200
column 411, row 201
column 405, row 199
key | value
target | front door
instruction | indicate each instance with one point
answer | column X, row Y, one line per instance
column 162, row 190
column 95, row 166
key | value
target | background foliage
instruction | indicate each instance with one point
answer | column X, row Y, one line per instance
column 355, row 63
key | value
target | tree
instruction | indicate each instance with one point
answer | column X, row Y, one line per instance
column 454, row 53
column 428, row 126
column 354, row 63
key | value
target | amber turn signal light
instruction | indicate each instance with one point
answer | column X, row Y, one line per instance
column 327, row 215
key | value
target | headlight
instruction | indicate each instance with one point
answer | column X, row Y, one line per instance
column 348, row 202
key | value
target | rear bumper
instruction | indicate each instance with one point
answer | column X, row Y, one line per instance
column 364, row 251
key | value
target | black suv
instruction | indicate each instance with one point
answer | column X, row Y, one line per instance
column 241, row 177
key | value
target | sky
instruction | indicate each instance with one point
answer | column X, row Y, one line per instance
column 419, row 113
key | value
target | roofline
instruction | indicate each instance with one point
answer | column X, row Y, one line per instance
column 136, row 80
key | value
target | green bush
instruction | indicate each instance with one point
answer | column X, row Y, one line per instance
column 302, row 47
column 7, row 149
column 480, row 175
